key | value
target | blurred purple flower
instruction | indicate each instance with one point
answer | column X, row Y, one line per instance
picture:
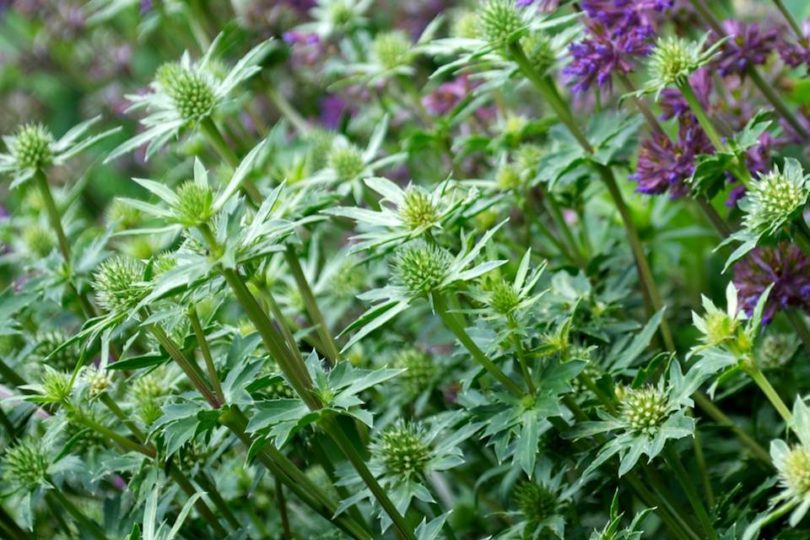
column 447, row 95
column 784, row 266
column 307, row 49
column 795, row 52
column 622, row 16
column 665, row 165
column 747, row 46
column 333, row 108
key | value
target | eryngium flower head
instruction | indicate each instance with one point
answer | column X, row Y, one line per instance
column 536, row 502
column 540, row 51
column 775, row 199
column 644, row 409
column 794, row 471
column 785, row 267
column 98, row 380
column 31, row 147
column 119, row 284
column 346, row 160
column 500, row 21
column 403, row 450
column 191, row 91
column 392, row 50
column 421, row 268
column 25, row 465
column 747, row 46
column 673, row 60
column 56, row 386
column 194, row 204
column 503, row 298
column 420, row 371
column 417, row 209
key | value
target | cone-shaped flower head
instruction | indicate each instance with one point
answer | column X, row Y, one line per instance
column 392, row 50
column 536, row 502
column 403, row 450
column 644, row 409
column 346, row 160
column 191, row 91
column 119, row 284
column 25, row 465
column 194, row 204
column 418, row 209
column 31, row 147
column 776, row 198
column 422, row 267
column 499, row 21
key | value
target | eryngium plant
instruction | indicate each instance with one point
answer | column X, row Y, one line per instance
column 404, row 270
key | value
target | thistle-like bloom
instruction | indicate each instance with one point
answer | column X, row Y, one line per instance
column 776, row 199
column 674, row 59
column 119, row 284
column 784, row 267
column 666, row 166
column 185, row 94
column 25, row 466
column 500, row 22
column 719, row 327
column 405, row 213
column 747, row 46
column 34, row 148
column 600, row 56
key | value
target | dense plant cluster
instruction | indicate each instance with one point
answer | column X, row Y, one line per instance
column 404, row 269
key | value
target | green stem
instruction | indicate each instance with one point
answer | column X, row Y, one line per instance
column 214, row 137
column 457, row 328
column 216, row 497
column 202, row 342
column 521, row 354
column 562, row 226
column 796, row 320
column 706, row 404
column 691, row 494
column 313, row 311
column 288, row 111
column 702, row 117
column 765, row 385
column 117, row 438
column 188, row 488
column 789, row 18
column 665, row 499
column 121, row 415
column 700, row 458
column 668, row 515
column 282, row 510
column 279, row 465
column 777, row 102
column 86, row 524
column 185, row 364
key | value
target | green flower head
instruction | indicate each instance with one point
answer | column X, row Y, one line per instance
column 190, row 90
column 25, row 465
column 422, row 267
column 404, row 450
column 644, row 409
column 775, row 199
column 32, row 147
column 500, row 21
column 119, row 284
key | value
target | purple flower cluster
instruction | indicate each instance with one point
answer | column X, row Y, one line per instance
column 795, row 52
column 307, row 49
column 665, row 166
column 747, row 45
column 619, row 31
column 784, row 266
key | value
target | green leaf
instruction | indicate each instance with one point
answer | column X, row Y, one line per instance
column 139, row 362
column 276, row 410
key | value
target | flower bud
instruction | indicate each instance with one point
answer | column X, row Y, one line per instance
column 403, row 450
column 98, row 380
column 795, row 471
column 539, row 50
column 346, row 160
column 56, row 386
column 673, row 60
column 775, row 199
column 119, row 284
column 31, row 147
column 422, row 267
column 25, row 465
column 537, row 503
column 499, row 21
column 417, row 209
column 420, row 371
column 194, row 204
column 644, row 409
column 392, row 50
column 191, row 93
column 503, row 298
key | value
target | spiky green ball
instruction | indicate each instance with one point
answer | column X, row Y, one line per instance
column 347, row 161
column 503, row 298
column 190, row 91
column 422, row 267
column 644, row 409
column 539, row 50
column 56, row 386
column 499, row 21
column 25, row 465
column 403, row 450
column 32, row 147
column 536, row 502
column 420, row 371
column 63, row 359
column 417, row 209
column 673, row 60
column 774, row 200
column 392, row 49
column 194, row 204
column 119, row 284
column 795, row 472
column 38, row 239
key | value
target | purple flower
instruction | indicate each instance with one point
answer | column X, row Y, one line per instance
column 622, row 16
column 747, row 46
column 307, row 49
column 795, row 52
column 784, row 266
column 447, row 95
column 333, row 108
column 598, row 57
column 665, row 166
column 542, row 5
